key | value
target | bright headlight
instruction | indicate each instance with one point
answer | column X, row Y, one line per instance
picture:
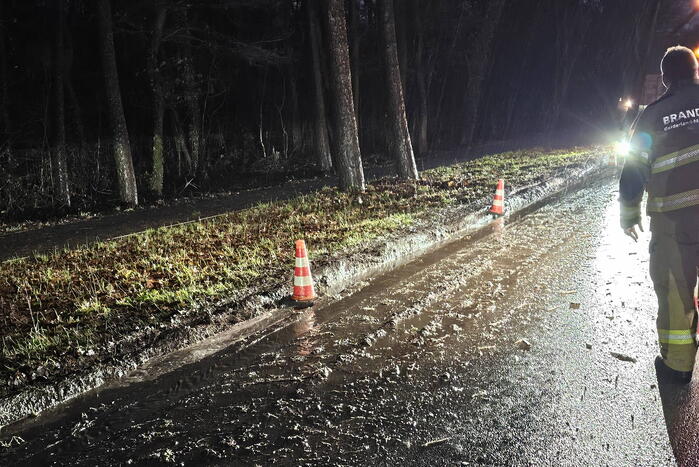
column 622, row 148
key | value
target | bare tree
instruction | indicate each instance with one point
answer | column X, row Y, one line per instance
column 4, row 96
column 347, row 160
column 479, row 58
column 421, row 80
column 72, row 97
column 322, row 144
column 157, row 152
column 60, row 158
column 571, row 25
column 355, row 53
column 122, row 148
column 654, row 8
column 192, row 98
column 398, row 123
column 192, row 93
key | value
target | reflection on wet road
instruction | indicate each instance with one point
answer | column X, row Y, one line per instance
column 422, row 366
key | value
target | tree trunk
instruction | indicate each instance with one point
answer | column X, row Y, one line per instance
column 60, row 161
column 295, row 122
column 322, row 145
column 73, row 102
column 439, row 114
column 571, row 29
column 126, row 178
column 398, row 123
column 656, row 8
column 479, row 60
column 355, row 53
column 155, row 184
column 348, row 160
column 421, row 78
column 4, row 95
column 180, row 143
column 192, row 102
column 401, row 27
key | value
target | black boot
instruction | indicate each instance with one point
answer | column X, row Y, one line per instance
column 668, row 374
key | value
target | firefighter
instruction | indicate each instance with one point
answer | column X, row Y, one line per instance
column 664, row 161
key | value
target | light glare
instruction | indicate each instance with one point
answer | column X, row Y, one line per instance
column 622, row 148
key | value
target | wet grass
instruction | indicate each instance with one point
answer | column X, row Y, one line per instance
column 62, row 312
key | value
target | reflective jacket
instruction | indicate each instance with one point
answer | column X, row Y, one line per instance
column 664, row 160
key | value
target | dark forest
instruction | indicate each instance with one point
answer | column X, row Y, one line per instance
column 107, row 103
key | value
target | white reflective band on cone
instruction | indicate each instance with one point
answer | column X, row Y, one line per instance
column 302, row 280
column 301, row 262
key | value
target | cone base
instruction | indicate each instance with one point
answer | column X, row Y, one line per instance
column 309, row 298
column 496, row 214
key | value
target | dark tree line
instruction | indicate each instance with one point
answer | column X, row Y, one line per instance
column 104, row 101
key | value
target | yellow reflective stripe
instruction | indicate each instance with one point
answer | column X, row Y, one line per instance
column 676, row 153
column 690, row 340
column 676, row 159
column 679, row 337
column 630, row 212
column 674, row 202
column 672, row 155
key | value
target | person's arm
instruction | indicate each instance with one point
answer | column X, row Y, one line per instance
column 634, row 178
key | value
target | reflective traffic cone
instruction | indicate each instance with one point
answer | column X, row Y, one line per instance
column 498, row 207
column 303, row 282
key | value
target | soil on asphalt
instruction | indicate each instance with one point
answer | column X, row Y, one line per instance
column 530, row 343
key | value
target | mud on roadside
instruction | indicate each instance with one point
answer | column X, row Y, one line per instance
column 333, row 273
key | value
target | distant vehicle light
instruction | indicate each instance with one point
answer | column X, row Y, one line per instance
column 628, row 104
column 622, row 148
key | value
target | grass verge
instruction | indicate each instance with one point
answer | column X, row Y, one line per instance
column 62, row 312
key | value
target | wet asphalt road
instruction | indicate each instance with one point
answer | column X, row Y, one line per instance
column 420, row 366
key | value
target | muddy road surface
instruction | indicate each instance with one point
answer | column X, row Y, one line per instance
column 531, row 343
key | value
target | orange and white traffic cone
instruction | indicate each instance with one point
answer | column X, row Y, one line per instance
column 303, row 282
column 498, row 207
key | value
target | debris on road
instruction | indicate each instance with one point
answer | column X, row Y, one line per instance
column 623, row 357
column 574, row 306
column 588, row 346
column 436, row 441
column 523, row 344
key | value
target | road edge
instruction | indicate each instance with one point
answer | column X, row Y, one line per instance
column 333, row 274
